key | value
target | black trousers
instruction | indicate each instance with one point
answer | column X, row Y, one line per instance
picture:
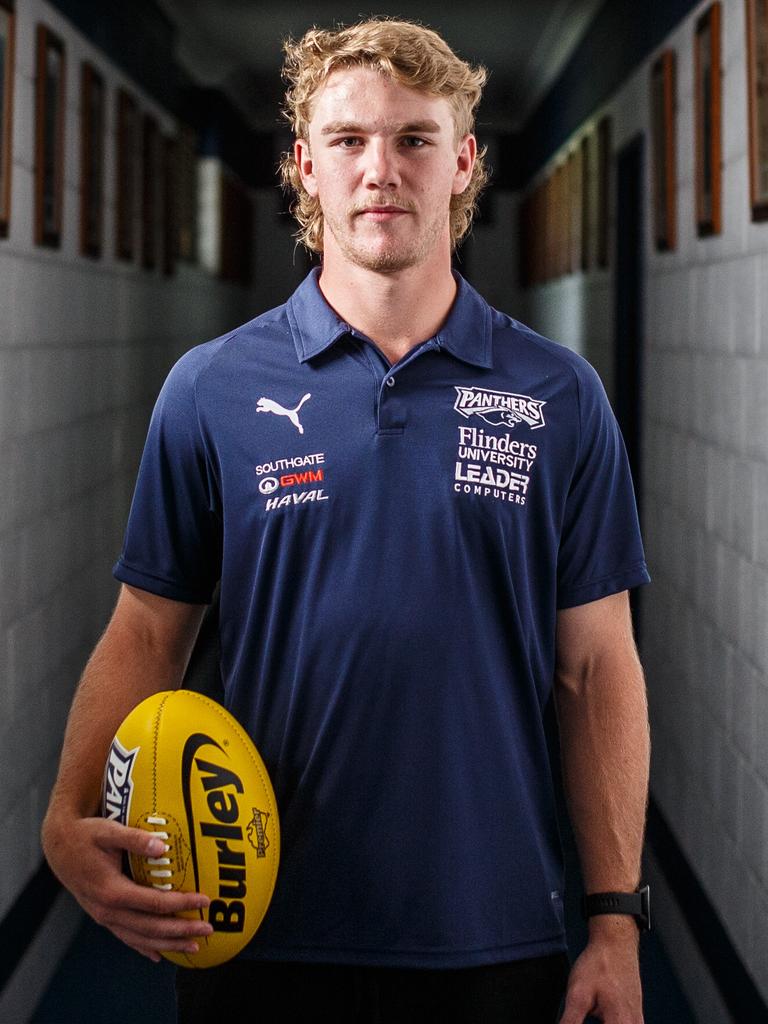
column 252, row 992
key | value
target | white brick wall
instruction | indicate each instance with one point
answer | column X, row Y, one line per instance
column 84, row 346
column 706, row 510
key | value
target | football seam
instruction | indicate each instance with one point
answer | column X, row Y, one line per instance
column 155, row 741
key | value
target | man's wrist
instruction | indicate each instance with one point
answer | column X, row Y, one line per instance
column 613, row 929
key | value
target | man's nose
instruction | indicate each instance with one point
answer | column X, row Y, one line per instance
column 381, row 165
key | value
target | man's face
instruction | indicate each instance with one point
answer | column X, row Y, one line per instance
column 383, row 161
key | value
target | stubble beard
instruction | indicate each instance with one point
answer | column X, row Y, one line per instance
column 395, row 256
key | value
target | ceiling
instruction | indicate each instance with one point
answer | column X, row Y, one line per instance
column 235, row 45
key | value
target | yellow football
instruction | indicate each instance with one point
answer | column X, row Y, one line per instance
column 182, row 767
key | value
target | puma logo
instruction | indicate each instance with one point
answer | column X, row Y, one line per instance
column 269, row 405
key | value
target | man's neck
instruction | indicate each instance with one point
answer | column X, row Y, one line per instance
column 398, row 310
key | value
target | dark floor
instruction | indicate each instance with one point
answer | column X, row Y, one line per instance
column 103, row 982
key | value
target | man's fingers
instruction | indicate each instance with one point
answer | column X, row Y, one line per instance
column 148, row 947
column 111, row 835
column 127, row 895
column 151, row 926
column 578, row 1003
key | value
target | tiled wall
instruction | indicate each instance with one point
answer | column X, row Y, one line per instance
column 705, row 511
column 84, row 346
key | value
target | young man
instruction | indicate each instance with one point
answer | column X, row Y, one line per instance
column 421, row 515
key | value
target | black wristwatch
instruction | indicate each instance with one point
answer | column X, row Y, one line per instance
column 636, row 904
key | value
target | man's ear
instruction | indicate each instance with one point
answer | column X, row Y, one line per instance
column 303, row 158
column 465, row 162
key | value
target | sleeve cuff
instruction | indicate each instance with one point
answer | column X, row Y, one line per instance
column 635, row 576
column 163, row 588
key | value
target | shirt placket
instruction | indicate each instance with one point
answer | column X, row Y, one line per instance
column 390, row 384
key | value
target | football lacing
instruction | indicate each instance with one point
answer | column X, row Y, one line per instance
column 161, row 865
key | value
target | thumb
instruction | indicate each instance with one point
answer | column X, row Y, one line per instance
column 114, row 836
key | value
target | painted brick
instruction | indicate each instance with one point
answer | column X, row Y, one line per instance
column 758, row 962
column 761, row 728
column 731, row 804
column 756, row 411
column 734, row 896
column 761, row 290
column 756, row 826
column 743, row 710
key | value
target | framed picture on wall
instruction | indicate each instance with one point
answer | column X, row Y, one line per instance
column 186, row 148
column 126, row 138
column 663, row 73
column 7, row 28
column 561, row 220
column 149, row 197
column 587, row 205
column 91, row 161
column 603, row 190
column 170, row 237
column 49, row 137
column 757, row 80
column 574, row 207
column 708, row 99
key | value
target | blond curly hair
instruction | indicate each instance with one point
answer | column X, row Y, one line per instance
column 411, row 54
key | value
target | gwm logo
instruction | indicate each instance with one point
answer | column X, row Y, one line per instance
column 499, row 408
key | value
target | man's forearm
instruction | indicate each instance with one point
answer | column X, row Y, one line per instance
column 605, row 747
column 132, row 660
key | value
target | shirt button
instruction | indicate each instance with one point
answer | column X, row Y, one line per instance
column 390, row 382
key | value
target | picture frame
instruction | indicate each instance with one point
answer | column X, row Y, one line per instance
column 603, row 192
column 574, row 208
column 150, row 166
column 551, row 220
column 126, row 143
column 757, row 89
column 50, row 81
column 7, row 66
column 708, row 121
column 587, row 204
column 564, row 219
column 663, row 156
column 186, row 209
column 170, row 236
column 91, row 161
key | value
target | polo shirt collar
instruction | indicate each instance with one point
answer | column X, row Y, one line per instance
column 466, row 333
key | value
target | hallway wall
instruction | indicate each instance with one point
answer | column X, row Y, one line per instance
column 705, row 487
column 84, row 347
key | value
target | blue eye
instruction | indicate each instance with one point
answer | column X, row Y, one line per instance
column 413, row 142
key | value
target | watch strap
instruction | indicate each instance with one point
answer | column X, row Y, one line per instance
column 635, row 904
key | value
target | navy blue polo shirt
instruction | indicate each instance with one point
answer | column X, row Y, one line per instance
column 393, row 544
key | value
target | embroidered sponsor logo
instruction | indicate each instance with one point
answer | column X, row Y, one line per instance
column 293, row 498
column 297, row 462
column 499, row 408
column 293, row 479
column 270, row 405
column 267, row 484
column 493, row 466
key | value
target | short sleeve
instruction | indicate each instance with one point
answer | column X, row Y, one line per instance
column 172, row 544
column 601, row 550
